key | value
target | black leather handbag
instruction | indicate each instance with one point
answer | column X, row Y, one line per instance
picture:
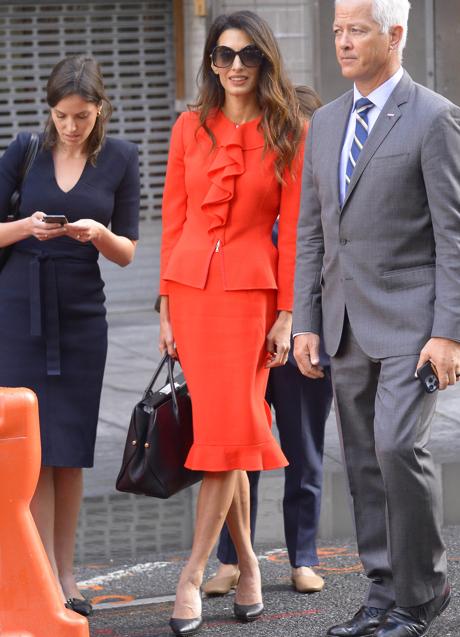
column 15, row 199
column 160, row 435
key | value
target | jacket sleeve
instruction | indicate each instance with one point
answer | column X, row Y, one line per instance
column 289, row 212
column 174, row 205
column 441, row 174
column 310, row 250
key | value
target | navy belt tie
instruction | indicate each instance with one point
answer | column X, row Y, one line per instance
column 44, row 299
column 43, row 282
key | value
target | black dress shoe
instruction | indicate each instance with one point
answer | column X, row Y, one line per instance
column 81, row 606
column 414, row 621
column 364, row 623
column 248, row 613
column 185, row 626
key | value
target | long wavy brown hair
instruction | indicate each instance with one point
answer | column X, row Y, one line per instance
column 79, row 75
column 282, row 122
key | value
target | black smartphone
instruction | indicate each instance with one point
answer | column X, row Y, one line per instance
column 427, row 376
column 62, row 219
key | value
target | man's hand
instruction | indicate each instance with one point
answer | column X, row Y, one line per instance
column 306, row 353
column 444, row 355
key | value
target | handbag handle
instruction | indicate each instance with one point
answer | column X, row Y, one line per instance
column 171, row 362
column 29, row 158
column 170, row 377
column 31, row 153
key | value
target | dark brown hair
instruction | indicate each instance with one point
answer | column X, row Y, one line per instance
column 309, row 100
column 282, row 123
column 78, row 75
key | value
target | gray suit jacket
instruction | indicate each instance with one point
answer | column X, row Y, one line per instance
column 391, row 253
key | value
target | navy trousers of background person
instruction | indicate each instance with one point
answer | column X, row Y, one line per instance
column 301, row 406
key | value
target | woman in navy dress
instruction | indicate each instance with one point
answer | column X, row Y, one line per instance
column 53, row 330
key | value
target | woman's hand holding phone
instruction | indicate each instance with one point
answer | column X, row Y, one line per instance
column 44, row 230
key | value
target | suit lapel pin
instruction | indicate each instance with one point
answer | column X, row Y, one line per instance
column 390, row 114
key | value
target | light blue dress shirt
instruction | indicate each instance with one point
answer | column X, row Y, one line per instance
column 378, row 97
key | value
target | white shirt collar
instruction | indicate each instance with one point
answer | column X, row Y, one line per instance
column 380, row 95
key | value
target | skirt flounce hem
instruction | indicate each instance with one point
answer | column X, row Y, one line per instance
column 257, row 457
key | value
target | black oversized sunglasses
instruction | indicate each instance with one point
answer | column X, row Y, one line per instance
column 223, row 56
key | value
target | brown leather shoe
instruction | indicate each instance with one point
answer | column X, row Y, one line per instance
column 305, row 580
column 221, row 585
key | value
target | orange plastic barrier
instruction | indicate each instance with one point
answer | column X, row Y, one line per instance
column 30, row 603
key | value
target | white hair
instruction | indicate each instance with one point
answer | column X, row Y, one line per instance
column 390, row 13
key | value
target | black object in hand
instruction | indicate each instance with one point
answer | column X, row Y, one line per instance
column 62, row 219
column 428, row 378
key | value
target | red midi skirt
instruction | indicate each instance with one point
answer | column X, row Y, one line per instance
column 221, row 342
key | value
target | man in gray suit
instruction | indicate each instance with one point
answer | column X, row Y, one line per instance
column 378, row 263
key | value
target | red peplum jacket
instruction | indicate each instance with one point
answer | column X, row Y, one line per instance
column 227, row 199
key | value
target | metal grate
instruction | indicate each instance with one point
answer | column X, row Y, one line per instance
column 125, row 526
column 133, row 42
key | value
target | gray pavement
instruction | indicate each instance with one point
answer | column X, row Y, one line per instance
column 136, row 544
column 135, row 598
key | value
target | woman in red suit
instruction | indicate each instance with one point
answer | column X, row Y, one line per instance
column 234, row 166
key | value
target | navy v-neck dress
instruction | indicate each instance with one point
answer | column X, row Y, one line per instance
column 53, row 330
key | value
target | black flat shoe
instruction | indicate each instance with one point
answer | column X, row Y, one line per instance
column 248, row 613
column 185, row 626
column 81, row 606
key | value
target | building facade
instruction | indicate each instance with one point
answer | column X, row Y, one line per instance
column 150, row 52
column 134, row 44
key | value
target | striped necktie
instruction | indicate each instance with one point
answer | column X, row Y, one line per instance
column 362, row 106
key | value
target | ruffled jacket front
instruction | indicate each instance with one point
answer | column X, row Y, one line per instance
column 227, row 199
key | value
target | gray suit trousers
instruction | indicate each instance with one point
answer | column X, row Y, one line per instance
column 384, row 421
